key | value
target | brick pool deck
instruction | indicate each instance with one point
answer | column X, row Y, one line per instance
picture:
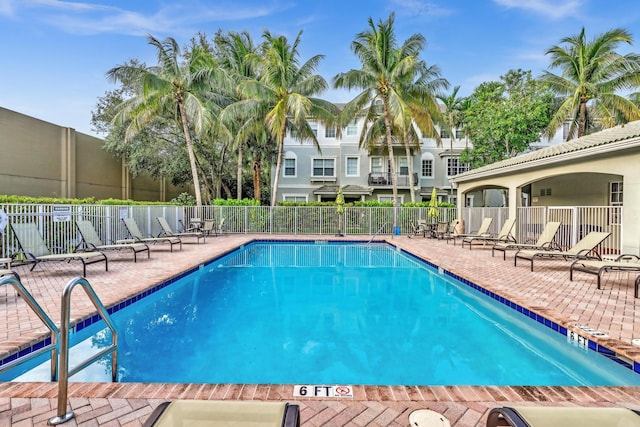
column 548, row 291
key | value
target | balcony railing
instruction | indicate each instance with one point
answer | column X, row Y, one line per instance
column 384, row 180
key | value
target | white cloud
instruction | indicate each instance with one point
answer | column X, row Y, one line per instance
column 551, row 8
column 95, row 18
column 419, row 7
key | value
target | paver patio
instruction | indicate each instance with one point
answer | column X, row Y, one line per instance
column 612, row 310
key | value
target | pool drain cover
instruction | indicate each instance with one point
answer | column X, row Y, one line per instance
column 428, row 418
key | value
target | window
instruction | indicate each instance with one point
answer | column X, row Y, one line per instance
column 314, row 127
column 353, row 168
column 444, row 134
column 294, row 198
column 376, row 164
column 402, row 165
column 330, row 132
column 454, row 166
column 289, row 167
column 324, row 167
column 615, row 193
column 352, row 129
column 459, row 134
column 389, row 198
column 427, row 168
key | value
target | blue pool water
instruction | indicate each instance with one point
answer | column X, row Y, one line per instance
column 307, row 313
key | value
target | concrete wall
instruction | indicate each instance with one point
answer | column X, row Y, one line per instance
column 42, row 159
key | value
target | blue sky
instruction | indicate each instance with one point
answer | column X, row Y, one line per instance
column 55, row 53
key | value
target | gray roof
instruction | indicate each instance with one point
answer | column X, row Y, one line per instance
column 616, row 138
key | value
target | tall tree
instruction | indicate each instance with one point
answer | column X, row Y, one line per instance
column 233, row 51
column 394, row 77
column 503, row 118
column 592, row 74
column 453, row 115
column 172, row 89
column 282, row 96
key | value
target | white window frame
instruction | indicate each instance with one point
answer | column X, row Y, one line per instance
column 381, row 165
column 295, row 168
column 295, row 197
column 459, row 168
column 389, row 198
column 313, row 169
column 422, row 167
column 402, row 163
column 616, row 193
column 352, row 128
column 314, row 127
column 330, row 132
column 346, row 166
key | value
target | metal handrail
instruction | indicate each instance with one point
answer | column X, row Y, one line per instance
column 63, row 384
column 55, row 333
column 375, row 234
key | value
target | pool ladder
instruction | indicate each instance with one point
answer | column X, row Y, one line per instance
column 375, row 234
column 59, row 345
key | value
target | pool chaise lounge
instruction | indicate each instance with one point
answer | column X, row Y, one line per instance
column 91, row 241
column 582, row 249
column 544, row 242
column 137, row 237
column 541, row 416
column 35, row 250
column 198, row 234
column 212, row 413
column 13, row 273
column 483, row 231
column 503, row 236
column 625, row 262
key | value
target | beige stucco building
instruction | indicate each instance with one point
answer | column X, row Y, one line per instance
column 589, row 171
column 38, row 159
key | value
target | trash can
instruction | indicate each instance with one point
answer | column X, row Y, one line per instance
column 396, row 230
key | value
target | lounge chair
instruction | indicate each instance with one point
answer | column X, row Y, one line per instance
column 219, row 230
column 168, row 232
column 625, row 262
column 420, row 227
column 35, row 249
column 91, row 241
column 137, row 237
column 543, row 416
column 503, row 236
column 483, row 231
column 224, row 413
column 544, row 242
column 445, row 230
column 4, row 272
column 582, row 249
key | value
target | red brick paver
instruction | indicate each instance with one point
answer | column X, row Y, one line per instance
column 548, row 291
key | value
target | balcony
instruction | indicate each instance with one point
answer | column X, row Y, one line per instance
column 384, row 180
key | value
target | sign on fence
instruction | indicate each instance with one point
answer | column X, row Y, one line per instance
column 61, row 213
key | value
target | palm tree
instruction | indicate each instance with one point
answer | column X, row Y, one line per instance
column 171, row 89
column 453, row 115
column 233, row 51
column 592, row 74
column 282, row 95
column 395, row 84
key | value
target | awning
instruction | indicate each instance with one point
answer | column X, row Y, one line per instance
column 347, row 190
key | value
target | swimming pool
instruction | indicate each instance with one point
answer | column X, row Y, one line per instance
column 325, row 313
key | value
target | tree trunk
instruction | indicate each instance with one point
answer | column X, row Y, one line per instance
column 582, row 118
column 276, row 179
column 257, row 182
column 192, row 156
column 410, row 166
column 392, row 162
column 239, row 173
